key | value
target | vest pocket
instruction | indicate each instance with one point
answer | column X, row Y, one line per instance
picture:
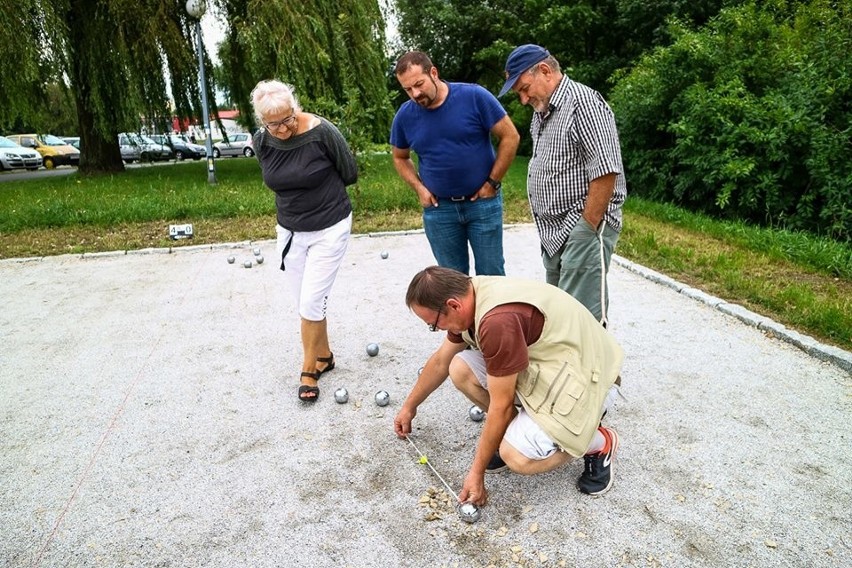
column 571, row 402
column 562, row 399
column 527, row 380
column 538, row 389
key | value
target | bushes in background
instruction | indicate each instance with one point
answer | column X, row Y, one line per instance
column 749, row 117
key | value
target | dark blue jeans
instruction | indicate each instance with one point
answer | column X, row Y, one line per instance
column 453, row 224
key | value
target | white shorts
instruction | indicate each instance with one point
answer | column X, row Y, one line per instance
column 523, row 433
column 311, row 264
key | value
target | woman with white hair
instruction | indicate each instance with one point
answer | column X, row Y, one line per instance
column 306, row 162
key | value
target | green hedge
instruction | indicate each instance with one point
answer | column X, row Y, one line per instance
column 748, row 118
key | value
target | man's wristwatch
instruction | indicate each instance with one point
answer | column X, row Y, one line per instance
column 494, row 183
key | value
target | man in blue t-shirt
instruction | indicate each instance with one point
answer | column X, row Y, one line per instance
column 458, row 176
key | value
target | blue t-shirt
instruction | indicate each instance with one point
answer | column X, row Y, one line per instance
column 453, row 141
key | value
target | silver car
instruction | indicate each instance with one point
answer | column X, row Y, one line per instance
column 238, row 144
column 130, row 150
column 150, row 150
column 13, row 156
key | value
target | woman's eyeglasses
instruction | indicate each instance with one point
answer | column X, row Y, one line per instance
column 279, row 123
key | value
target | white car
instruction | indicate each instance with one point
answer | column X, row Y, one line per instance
column 238, row 144
column 13, row 156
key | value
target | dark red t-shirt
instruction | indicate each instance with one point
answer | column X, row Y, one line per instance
column 505, row 332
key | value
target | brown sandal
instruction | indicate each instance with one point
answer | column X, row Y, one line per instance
column 308, row 393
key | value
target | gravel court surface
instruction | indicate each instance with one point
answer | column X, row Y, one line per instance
column 148, row 417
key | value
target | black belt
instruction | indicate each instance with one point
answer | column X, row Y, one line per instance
column 461, row 197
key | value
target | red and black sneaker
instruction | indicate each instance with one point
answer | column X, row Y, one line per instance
column 598, row 474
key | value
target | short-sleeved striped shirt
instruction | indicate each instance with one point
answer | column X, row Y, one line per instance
column 574, row 142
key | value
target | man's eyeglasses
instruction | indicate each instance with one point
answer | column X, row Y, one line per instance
column 279, row 123
column 434, row 326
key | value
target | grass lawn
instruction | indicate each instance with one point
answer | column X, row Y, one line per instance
column 796, row 279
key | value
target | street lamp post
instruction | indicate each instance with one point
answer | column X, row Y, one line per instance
column 196, row 9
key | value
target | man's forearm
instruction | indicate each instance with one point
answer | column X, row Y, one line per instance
column 492, row 435
column 600, row 194
column 508, row 140
column 434, row 373
column 429, row 380
column 503, row 161
column 406, row 170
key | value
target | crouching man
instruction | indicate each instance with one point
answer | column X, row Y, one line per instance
column 540, row 365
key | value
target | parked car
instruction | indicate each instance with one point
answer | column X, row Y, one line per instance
column 72, row 140
column 237, row 145
column 130, row 150
column 54, row 151
column 13, row 156
column 165, row 153
column 180, row 147
column 150, row 151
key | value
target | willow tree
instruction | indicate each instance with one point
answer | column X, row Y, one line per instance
column 111, row 55
column 331, row 51
column 21, row 65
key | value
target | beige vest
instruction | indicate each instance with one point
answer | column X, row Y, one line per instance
column 572, row 365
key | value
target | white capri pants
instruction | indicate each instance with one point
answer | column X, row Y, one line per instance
column 523, row 433
column 311, row 264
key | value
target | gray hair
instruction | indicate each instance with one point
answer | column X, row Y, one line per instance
column 273, row 97
column 550, row 61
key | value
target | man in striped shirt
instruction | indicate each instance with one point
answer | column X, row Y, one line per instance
column 576, row 179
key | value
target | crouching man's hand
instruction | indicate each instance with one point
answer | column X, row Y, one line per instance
column 402, row 422
column 473, row 490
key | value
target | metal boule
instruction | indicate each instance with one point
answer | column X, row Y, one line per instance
column 384, row 254
column 260, row 260
column 373, row 349
column 231, row 260
column 341, row 395
column 256, row 252
column 469, row 513
column 382, row 398
column 247, row 264
column 476, row 414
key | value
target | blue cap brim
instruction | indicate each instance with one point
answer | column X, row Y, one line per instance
column 510, row 82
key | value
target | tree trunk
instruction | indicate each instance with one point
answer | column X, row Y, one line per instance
column 89, row 67
column 98, row 153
